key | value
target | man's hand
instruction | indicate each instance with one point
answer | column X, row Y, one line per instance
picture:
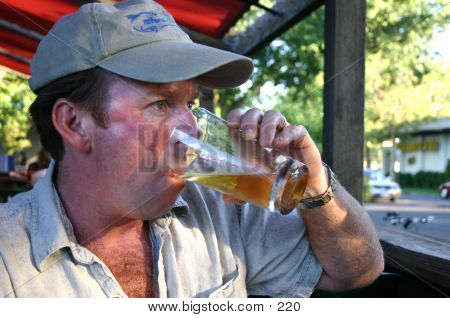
column 341, row 233
column 272, row 130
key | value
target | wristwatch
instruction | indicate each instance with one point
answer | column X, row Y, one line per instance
column 327, row 196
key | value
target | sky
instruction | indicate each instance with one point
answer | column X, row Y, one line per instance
column 441, row 44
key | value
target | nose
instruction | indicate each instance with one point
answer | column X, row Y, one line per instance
column 186, row 122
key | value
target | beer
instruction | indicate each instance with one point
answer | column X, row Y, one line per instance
column 220, row 159
column 293, row 191
column 253, row 188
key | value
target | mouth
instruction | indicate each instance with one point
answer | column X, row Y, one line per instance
column 176, row 158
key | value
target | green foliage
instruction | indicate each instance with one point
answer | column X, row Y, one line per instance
column 405, row 86
column 294, row 64
column 401, row 31
column 15, row 98
column 423, row 179
column 366, row 190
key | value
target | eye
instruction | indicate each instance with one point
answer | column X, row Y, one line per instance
column 160, row 104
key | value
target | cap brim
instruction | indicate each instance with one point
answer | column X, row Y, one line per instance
column 172, row 61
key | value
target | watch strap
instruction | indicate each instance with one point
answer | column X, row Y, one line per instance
column 323, row 199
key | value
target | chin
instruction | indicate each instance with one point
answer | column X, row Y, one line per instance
column 163, row 200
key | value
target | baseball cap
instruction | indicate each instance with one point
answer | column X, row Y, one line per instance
column 138, row 39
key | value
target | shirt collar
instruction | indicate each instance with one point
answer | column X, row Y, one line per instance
column 180, row 208
column 51, row 230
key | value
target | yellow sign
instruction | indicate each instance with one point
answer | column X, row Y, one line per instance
column 431, row 145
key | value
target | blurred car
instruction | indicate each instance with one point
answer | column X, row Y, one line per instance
column 445, row 190
column 382, row 187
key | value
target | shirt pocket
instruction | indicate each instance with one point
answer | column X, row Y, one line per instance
column 234, row 287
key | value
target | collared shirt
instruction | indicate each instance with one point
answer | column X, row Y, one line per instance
column 202, row 247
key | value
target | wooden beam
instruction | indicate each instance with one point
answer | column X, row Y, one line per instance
column 15, row 56
column 343, row 135
column 15, row 28
column 426, row 258
column 270, row 26
column 261, row 6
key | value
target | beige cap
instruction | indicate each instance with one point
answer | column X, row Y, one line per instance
column 138, row 39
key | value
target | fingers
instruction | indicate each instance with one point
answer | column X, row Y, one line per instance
column 291, row 135
column 273, row 122
column 250, row 122
column 234, row 118
column 296, row 141
column 270, row 127
column 272, row 131
column 254, row 123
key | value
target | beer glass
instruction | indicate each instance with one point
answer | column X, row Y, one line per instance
column 219, row 158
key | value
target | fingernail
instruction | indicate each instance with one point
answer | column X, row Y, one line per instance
column 249, row 133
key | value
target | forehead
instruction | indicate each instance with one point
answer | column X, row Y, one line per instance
column 133, row 87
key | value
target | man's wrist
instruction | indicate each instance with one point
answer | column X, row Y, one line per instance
column 317, row 183
column 323, row 198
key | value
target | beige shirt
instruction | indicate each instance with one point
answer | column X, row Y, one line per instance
column 202, row 247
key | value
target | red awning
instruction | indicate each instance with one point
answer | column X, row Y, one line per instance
column 210, row 17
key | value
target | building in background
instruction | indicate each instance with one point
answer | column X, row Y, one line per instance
column 427, row 148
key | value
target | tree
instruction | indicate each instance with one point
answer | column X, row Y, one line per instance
column 288, row 76
column 405, row 85
column 15, row 98
column 399, row 108
column 398, row 66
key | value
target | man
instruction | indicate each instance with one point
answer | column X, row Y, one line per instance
column 108, row 220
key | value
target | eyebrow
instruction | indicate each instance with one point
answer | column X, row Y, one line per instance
column 168, row 89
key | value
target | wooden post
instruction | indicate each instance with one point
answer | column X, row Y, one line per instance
column 343, row 137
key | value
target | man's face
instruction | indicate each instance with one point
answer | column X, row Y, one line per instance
column 129, row 153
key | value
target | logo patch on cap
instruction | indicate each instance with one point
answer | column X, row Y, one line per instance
column 147, row 21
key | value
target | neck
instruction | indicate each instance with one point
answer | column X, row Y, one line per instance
column 88, row 204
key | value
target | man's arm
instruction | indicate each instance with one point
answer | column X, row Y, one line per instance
column 344, row 241
column 341, row 233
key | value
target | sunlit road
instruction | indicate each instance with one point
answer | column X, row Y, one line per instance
column 416, row 207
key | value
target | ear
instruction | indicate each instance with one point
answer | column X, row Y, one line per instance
column 73, row 124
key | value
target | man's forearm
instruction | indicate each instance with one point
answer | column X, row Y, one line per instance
column 345, row 242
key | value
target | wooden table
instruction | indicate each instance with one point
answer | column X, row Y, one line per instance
column 426, row 258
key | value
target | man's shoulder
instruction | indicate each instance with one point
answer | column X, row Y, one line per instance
column 15, row 212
